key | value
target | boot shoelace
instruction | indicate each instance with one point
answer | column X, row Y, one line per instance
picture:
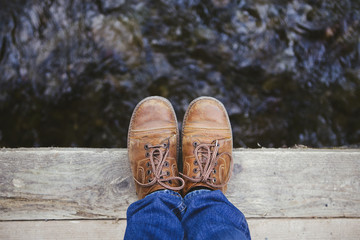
column 207, row 162
column 158, row 157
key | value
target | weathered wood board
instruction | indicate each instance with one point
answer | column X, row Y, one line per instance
column 64, row 183
column 296, row 183
column 306, row 229
column 80, row 183
column 270, row 229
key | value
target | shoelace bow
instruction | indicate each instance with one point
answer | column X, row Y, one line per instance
column 157, row 161
column 207, row 162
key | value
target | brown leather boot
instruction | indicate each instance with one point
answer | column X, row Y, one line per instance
column 153, row 146
column 206, row 145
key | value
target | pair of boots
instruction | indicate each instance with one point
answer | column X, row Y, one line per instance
column 153, row 146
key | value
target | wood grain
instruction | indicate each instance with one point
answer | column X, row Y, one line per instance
column 78, row 183
column 296, row 183
column 64, row 184
column 306, row 229
column 270, row 229
column 63, row 230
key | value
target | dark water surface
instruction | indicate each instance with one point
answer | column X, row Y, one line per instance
column 71, row 72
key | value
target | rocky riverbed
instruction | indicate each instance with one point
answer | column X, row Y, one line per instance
column 288, row 72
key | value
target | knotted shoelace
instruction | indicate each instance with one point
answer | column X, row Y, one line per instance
column 158, row 155
column 207, row 162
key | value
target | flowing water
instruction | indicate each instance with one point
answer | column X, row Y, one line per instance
column 288, row 72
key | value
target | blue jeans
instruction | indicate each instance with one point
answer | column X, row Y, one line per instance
column 201, row 214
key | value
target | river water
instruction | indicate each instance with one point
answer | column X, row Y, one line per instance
column 288, row 72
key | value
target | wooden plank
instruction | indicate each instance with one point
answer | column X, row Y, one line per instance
column 75, row 183
column 296, row 183
column 338, row 228
column 287, row 229
column 64, row 184
column 57, row 230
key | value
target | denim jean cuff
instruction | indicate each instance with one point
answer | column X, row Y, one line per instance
column 164, row 191
column 196, row 193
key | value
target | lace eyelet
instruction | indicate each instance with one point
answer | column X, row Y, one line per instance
column 214, row 170
column 148, row 164
column 166, row 164
column 214, row 180
column 165, row 145
column 146, row 146
column 149, row 180
column 147, row 154
column 196, row 163
column 167, row 173
column 195, row 144
column 195, row 170
column 162, row 177
column 215, row 164
column 170, row 182
column 148, row 172
column 218, row 145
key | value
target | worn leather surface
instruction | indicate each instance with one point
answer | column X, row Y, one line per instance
column 205, row 121
column 153, row 122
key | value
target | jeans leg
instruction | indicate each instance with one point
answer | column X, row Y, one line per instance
column 210, row 215
column 157, row 216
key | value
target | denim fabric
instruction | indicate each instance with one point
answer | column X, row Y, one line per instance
column 157, row 216
column 202, row 214
column 209, row 215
